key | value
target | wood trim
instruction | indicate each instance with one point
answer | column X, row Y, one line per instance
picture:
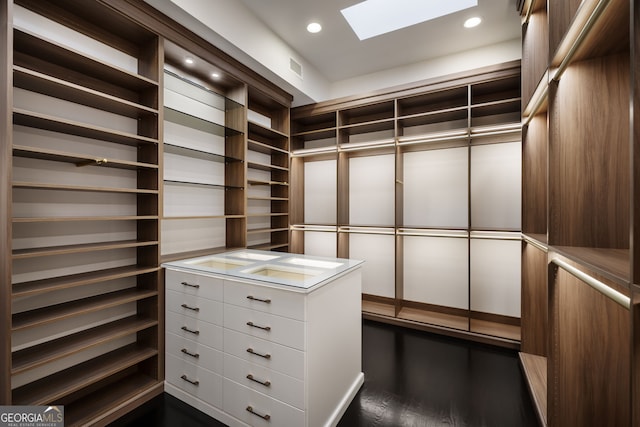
column 535, row 372
column 455, row 333
column 6, row 104
column 155, row 21
column 493, row 72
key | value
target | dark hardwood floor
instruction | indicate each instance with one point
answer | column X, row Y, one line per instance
column 412, row 378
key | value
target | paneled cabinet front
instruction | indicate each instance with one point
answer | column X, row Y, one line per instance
column 241, row 352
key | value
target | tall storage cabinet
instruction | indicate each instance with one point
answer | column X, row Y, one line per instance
column 579, row 328
column 424, row 184
column 83, row 284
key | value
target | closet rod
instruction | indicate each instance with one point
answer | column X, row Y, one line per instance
column 616, row 296
column 584, row 32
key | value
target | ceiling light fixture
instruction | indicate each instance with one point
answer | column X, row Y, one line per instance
column 215, row 75
column 314, row 27
column 472, row 22
column 189, row 61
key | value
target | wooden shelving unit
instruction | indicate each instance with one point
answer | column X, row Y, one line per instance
column 88, row 159
column 83, row 275
column 267, row 173
column 364, row 174
column 577, row 281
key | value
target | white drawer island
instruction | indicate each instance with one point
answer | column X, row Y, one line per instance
column 257, row 338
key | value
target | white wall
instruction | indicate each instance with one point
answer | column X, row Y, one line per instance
column 256, row 46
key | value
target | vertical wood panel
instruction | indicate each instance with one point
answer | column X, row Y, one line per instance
column 589, row 155
column 561, row 12
column 534, row 177
column 6, row 102
column 534, row 301
column 589, row 362
column 535, row 53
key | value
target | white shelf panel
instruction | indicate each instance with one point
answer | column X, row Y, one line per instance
column 318, row 243
column 495, row 276
column 436, row 271
column 372, row 190
column 496, row 190
column 436, row 188
column 378, row 271
column 320, row 192
column 192, row 234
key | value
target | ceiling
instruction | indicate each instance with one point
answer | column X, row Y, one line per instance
column 337, row 53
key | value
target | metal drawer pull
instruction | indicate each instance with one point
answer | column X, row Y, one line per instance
column 264, row 383
column 266, row 417
column 190, row 285
column 188, row 353
column 252, row 298
column 190, row 308
column 266, row 356
column 196, row 382
column 184, row 328
column 264, row 328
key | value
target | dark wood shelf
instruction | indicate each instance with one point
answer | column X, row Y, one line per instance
column 54, row 53
column 268, row 246
column 81, row 248
column 270, row 214
column 70, row 127
column 266, row 167
column 535, row 372
column 266, row 230
column 41, row 316
column 615, row 264
column 258, row 129
column 265, row 148
column 38, row 82
column 84, row 218
column 41, row 354
column 280, row 199
column 78, row 159
column 259, row 182
column 25, row 289
column 85, row 410
column 61, row 187
column 55, row 387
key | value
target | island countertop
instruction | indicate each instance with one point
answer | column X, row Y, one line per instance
column 301, row 272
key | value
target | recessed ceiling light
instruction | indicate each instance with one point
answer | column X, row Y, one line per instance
column 472, row 22
column 314, row 27
column 215, row 75
column 372, row 18
column 188, row 61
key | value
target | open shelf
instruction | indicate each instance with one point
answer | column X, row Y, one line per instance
column 84, row 218
column 63, row 60
column 38, row 355
column 259, row 129
column 55, row 387
column 41, row 316
column 198, row 154
column 74, row 249
column 47, row 85
column 70, row 127
column 535, row 373
column 266, row 167
column 25, row 289
column 61, row 187
column 78, row 159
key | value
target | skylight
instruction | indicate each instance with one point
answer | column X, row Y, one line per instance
column 371, row 18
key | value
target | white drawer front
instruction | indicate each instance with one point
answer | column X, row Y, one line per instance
column 272, row 383
column 194, row 284
column 262, row 298
column 193, row 306
column 195, row 380
column 282, row 330
column 193, row 352
column 274, row 356
column 252, row 408
column 194, row 329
